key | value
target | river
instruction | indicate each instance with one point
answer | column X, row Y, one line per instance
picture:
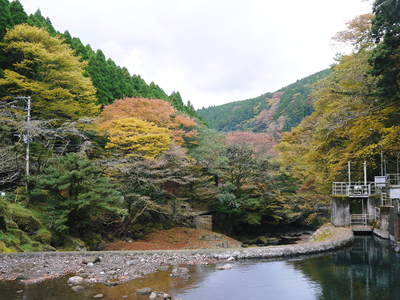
column 369, row 269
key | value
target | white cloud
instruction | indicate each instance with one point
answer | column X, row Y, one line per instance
column 211, row 51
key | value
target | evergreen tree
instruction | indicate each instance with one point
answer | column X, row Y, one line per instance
column 38, row 20
column 5, row 17
column 79, row 198
column 18, row 14
column 100, row 77
column 385, row 59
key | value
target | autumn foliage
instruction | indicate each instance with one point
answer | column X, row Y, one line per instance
column 136, row 138
column 261, row 143
column 159, row 112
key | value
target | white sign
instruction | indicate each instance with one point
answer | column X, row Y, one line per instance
column 395, row 193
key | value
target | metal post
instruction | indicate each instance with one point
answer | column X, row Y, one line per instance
column 365, row 173
column 384, row 167
column 397, row 169
column 349, row 170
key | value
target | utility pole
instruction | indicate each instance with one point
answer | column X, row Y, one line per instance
column 27, row 137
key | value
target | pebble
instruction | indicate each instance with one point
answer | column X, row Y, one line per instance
column 97, row 260
column 75, row 280
column 144, row 291
column 98, row 296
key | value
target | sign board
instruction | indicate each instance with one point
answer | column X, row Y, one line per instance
column 395, row 193
column 380, row 181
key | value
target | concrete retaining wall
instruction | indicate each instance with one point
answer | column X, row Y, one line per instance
column 340, row 212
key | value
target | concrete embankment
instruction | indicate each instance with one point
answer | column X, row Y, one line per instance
column 113, row 267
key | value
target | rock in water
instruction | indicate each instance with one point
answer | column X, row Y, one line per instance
column 180, row 272
column 78, row 288
column 153, row 296
column 144, row 291
column 75, row 280
column 159, row 296
column 225, row 267
column 98, row 296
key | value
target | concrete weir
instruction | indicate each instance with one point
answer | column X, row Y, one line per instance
column 368, row 206
column 362, row 229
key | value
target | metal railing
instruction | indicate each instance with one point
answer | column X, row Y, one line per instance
column 353, row 189
column 361, row 219
column 339, row 188
column 393, row 179
column 386, row 200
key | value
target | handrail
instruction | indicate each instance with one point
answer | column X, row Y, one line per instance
column 356, row 189
column 361, row 219
column 393, row 179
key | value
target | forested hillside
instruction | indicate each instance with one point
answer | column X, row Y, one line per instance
column 279, row 111
column 90, row 154
column 110, row 80
column 357, row 115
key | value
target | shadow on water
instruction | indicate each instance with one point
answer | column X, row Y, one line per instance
column 368, row 270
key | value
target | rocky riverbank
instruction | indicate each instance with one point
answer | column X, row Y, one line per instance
column 114, row 267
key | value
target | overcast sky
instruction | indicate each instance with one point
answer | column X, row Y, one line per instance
column 212, row 51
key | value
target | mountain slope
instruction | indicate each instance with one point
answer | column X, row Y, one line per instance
column 270, row 112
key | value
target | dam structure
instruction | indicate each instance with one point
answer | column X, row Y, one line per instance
column 368, row 206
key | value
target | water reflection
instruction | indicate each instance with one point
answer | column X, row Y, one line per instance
column 367, row 270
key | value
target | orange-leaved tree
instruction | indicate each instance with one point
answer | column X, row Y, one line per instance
column 159, row 112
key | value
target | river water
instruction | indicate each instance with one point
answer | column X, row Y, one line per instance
column 367, row 270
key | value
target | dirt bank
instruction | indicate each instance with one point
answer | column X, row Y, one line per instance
column 176, row 239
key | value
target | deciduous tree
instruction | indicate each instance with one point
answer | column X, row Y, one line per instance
column 136, row 138
column 45, row 68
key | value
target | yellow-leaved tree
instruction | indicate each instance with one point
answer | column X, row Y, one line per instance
column 348, row 124
column 43, row 67
column 136, row 138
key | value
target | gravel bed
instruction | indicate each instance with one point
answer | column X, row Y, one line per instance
column 114, row 267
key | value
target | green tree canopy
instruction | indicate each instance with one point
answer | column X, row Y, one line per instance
column 80, row 198
column 386, row 56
